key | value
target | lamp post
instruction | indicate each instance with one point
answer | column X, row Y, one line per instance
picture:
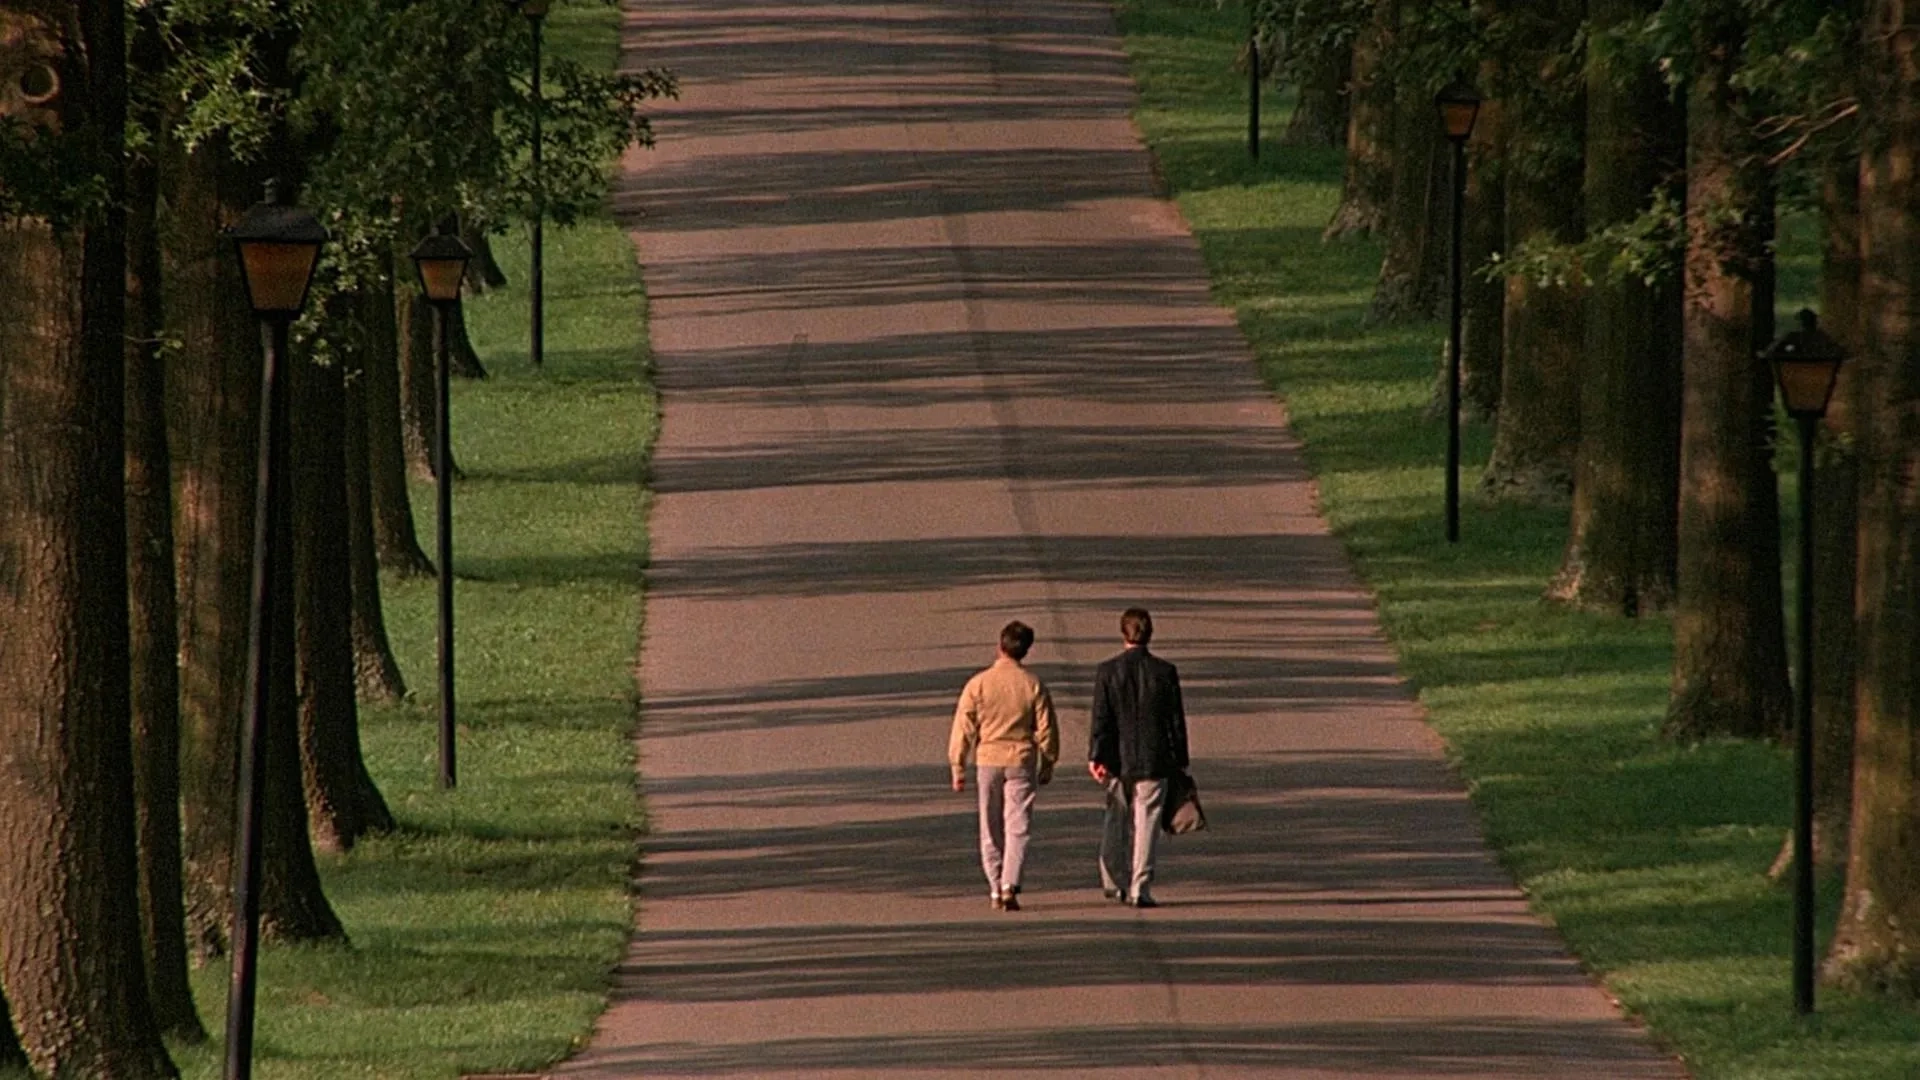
column 1459, row 104
column 278, row 246
column 1806, row 363
column 535, row 12
column 441, row 260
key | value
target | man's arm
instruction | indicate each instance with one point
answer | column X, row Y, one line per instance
column 1177, row 723
column 1103, row 750
column 966, row 732
column 1046, row 734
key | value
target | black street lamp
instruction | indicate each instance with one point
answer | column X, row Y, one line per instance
column 278, row 246
column 535, row 12
column 1459, row 104
column 441, row 260
column 1806, row 363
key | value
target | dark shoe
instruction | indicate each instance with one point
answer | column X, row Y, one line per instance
column 1143, row 902
column 1010, row 902
column 1114, row 895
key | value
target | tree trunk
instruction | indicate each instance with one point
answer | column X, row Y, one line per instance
column 483, row 273
column 292, row 906
column 213, row 409
column 1538, row 430
column 342, row 802
column 71, row 963
column 1729, row 657
column 1320, row 112
column 1876, row 947
column 153, row 624
column 466, row 362
column 376, row 673
column 1368, row 180
column 1621, row 540
column 213, row 398
column 416, row 326
column 11, row 1055
column 1413, row 269
column 394, row 538
column 1483, row 237
column 1836, row 533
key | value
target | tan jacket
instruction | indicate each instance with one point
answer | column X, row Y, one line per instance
column 1005, row 717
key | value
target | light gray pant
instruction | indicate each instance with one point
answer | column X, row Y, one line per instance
column 1140, row 817
column 1006, row 812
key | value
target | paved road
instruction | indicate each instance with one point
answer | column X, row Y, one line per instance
column 933, row 358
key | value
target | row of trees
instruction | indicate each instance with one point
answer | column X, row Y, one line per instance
column 131, row 133
column 1627, row 176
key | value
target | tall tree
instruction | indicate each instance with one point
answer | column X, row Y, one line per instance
column 376, row 673
column 1413, row 269
column 1538, row 429
column 70, row 958
column 1483, row 240
column 1836, row 532
column 1368, row 180
column 343, row 804
column 216, row 156
column 1876, row 946
column 394, row 538
column 1621, row 540
column 1730, row 663
column 154, row 615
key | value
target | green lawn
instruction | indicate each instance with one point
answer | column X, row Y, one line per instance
column 1650, row 857
column 484, row 931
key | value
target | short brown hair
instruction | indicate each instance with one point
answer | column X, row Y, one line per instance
column 1136, row 626
column 1015, row 639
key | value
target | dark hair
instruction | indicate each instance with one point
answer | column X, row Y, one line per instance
column 1136, row 626
column 1015, row 639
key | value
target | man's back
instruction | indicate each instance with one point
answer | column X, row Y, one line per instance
column 1139, row 721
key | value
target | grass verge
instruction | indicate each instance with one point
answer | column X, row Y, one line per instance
column 1651, row 858
column 482, row 932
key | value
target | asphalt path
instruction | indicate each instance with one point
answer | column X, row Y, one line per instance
column 933, row 357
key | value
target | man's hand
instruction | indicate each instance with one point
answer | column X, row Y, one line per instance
column 1098, row 771
column 1044, row 776
column 959, row 783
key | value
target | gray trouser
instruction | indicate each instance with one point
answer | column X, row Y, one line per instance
column 1006, row 810
column 1140, row 816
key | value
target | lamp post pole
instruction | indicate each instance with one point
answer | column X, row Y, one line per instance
column 1459, row 105
column 269, row 495
column 441, row 260
column 443, row 502
column 1803, row 898
column 278, row 246
column 536, row 275
column 1453, row 341
column 1806, row 365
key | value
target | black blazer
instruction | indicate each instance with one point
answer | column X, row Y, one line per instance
column 1139, row 723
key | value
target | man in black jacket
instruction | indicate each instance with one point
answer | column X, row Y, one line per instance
column 1139, row 739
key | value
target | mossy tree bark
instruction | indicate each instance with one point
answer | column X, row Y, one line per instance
column 1730, row 661
column 1621, row 540
column 1538, row 428
column 1368, row 181
column 71, row 967
column 153, row 614
column 376, row 673
column 1319, row 117
column 394, row 539
column 342, row 802
column 1876, row 947
column 1836, row 532
column 1413, row 269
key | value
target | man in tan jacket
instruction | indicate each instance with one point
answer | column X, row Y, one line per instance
column 1004, row 722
